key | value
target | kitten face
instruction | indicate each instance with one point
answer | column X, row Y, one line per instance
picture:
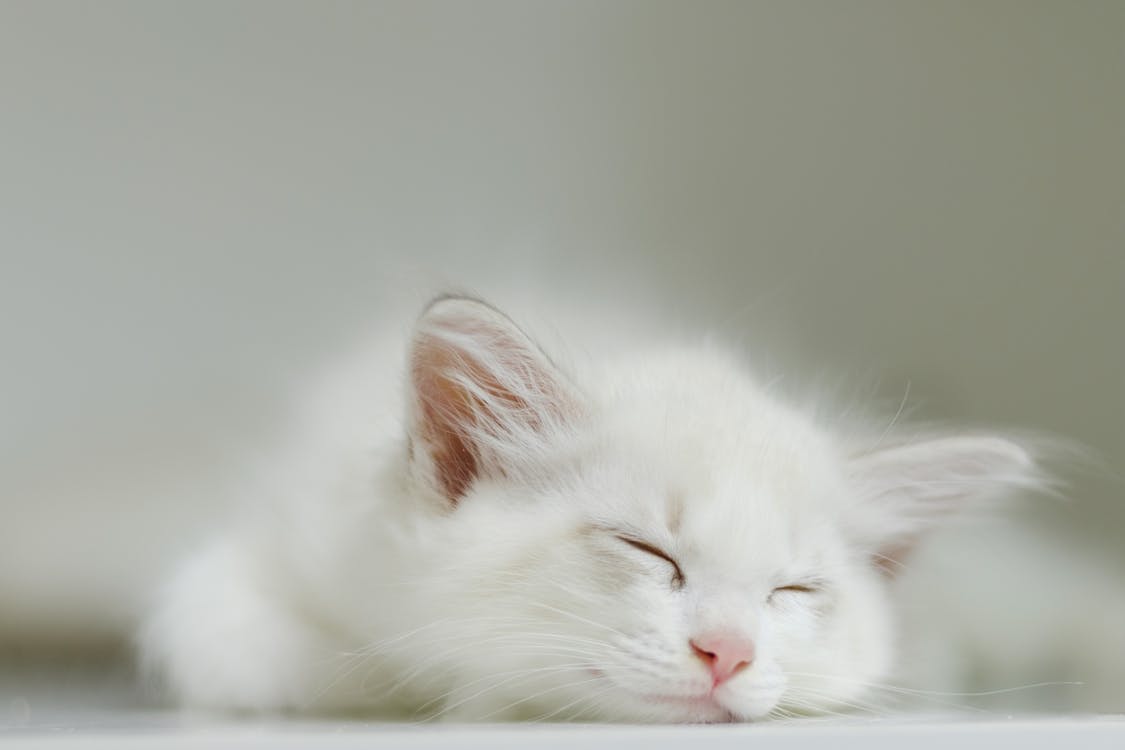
column 648, row 546
column 664, row 541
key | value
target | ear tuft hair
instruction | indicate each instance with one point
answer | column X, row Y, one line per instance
column 486, row 400
column 906, row 488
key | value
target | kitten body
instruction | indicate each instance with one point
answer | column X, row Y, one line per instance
column 461, row 527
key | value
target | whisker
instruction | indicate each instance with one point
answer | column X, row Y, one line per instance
column 938, row 693
column 530, row 671
column 583, row 699
column 440, row 657
column 580, row 618
column 540, row 694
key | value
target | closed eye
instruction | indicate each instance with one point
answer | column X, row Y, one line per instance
column 800, row 589
column 678, row 580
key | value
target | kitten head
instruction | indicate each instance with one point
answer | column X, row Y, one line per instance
column 661, row 540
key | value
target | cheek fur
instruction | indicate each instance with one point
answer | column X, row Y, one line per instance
column 851, row 647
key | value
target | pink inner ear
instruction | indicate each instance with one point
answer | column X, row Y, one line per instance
column 485, row 397
column 454, row 461
column 450, row 413
column 445, row 410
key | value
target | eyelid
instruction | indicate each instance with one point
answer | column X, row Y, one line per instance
column 807, row 587
column 678, row 580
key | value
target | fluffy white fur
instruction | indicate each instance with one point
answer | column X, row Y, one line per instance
column 443, row 537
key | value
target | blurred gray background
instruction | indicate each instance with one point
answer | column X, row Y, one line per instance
column 201, row 200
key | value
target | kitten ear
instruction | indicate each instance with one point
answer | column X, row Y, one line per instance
column 485, row 399
column 907, row 488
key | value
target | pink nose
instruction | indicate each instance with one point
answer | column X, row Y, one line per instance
column 725, row 653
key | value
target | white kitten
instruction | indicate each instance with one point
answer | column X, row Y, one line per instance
column 655, row 538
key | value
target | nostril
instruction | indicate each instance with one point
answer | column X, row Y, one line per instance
column 708, row 657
